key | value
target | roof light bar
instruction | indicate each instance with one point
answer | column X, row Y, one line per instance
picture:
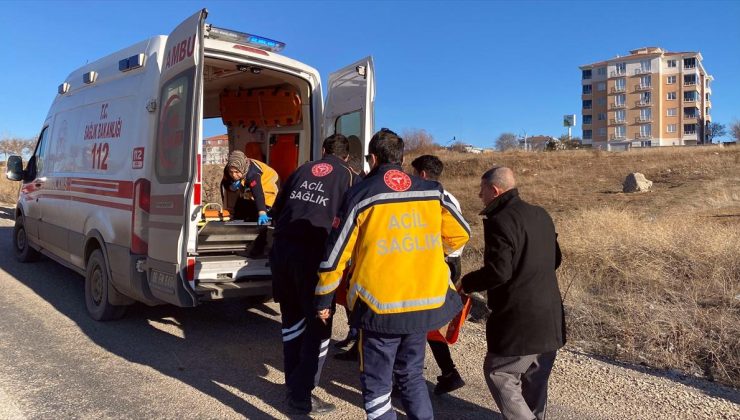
column 244, row 38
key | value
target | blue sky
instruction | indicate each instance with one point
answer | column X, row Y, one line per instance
column 469, row 70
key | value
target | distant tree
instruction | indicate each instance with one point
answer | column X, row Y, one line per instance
column 418, row 141
column 458, row 146
column 16, row 146
column 735, row 128
column 716, row 130
column 507, row 141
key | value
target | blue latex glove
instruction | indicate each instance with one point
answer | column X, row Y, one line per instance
column 235, row 185
column 263, row 219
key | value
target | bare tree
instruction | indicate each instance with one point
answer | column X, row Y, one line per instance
column 507, row 141
column 715, row 130
column 16, row 146
column 418, row 141
column 735, row 128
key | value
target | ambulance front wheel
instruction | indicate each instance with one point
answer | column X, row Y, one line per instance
column 97, row 283
column 23, row 250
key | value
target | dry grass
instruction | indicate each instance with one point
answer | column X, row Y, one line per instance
column 651, row 278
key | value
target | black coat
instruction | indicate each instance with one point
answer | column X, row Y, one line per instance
column 519, row 262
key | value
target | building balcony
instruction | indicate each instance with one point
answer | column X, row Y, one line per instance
column 691, row 99
column 617, row 137
column 615, row 121
column 643, row 87
column 643, row 136
column 689, row 82
column 691, row 117
column 642, row 71
column 690, row 135
column 689, row 66
column 618, row 89
column 643, row 103
column 618, row 73
column 615, row 105
column 645, row 119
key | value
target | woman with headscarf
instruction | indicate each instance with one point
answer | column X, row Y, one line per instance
column 255, row 184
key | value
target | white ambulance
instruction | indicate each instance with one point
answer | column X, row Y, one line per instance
column 114, row 189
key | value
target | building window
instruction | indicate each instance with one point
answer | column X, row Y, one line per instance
column 621, row 68
column 645, row 97
column 646, row 130
column 646, row 114
column 601, row 116
column 689, row 63
column 586, row 104
column 586, row 89
column 671, row 63
column 671, row 128
column 689, row 128
column 672, row 112
column 671, row 80
column 620, row 99
column 587, row 134
column 601, row 86
column 586, row 74
column 645, row 81
column 671, row 96
column 619, row 131
column 602, row 131
column 601, row 101
column 586, row 119
column 619, row 115
column 691, row 96
column 619, row 84
column 645, row 65
column 601, row 71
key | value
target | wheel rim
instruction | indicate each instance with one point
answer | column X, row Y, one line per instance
column 20, row 240
column 96, row 285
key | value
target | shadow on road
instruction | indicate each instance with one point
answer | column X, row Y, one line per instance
column 215, row 348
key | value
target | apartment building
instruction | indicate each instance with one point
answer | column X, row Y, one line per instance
column 648, row 98
column 216, row 150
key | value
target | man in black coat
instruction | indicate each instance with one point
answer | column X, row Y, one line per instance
column 526, row 325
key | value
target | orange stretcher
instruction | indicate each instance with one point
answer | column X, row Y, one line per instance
column 265, row 107
column 451, row 332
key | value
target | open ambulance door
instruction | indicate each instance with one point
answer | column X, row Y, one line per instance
column 165, row 233
column 349, row 108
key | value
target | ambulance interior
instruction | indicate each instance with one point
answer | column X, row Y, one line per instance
column 267, row 115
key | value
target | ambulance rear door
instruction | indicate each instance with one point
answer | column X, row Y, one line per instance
column 175, row 167
column 350, row 102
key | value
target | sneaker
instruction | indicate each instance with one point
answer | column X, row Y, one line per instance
column 311, row 406
column 345, row 343
column 448, row 383
column 349, row 355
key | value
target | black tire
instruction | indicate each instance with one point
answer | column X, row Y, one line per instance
column 24, row 252
column 97, row 283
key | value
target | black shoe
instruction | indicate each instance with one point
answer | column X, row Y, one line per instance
column 448, row 383
column 311, row 406
column 349, row 355
column 346, row 342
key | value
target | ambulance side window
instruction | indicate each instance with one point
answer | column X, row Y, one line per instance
column 173, row 135
column 349, row 124
column 35, row 167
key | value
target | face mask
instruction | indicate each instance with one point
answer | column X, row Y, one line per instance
column 236, row 185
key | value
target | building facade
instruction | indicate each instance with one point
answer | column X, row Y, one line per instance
column 216, row 150
column 648, row 98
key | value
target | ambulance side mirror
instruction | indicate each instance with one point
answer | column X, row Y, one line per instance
column 14, row 168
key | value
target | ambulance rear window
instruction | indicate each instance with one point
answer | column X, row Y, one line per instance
column 174, row 132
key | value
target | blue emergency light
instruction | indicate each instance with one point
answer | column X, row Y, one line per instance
column 244, row 38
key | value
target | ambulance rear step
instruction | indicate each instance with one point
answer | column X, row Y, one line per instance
column 232, row 236
column 216, row 291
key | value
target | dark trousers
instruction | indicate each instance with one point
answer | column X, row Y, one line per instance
column 388, row 357
column 441, row 353
column 519, row 384
column 305, row 337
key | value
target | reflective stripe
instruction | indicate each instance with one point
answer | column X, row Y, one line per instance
column 381, row 399
column 324, row 348
column 456, row 213
column 374, row 414
column 349, row 220
column 294, row 327
column 322, row 290
column 404, row 304
column 294, row 335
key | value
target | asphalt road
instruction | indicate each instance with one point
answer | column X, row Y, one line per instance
column 225, row 361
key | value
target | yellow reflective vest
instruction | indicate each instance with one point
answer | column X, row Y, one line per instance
column 396, row 229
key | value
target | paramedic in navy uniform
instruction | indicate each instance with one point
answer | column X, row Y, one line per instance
column 303, row 214
column 396, row 228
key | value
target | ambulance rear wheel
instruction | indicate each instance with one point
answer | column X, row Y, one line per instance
column 23, row 250
column 97, row 283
